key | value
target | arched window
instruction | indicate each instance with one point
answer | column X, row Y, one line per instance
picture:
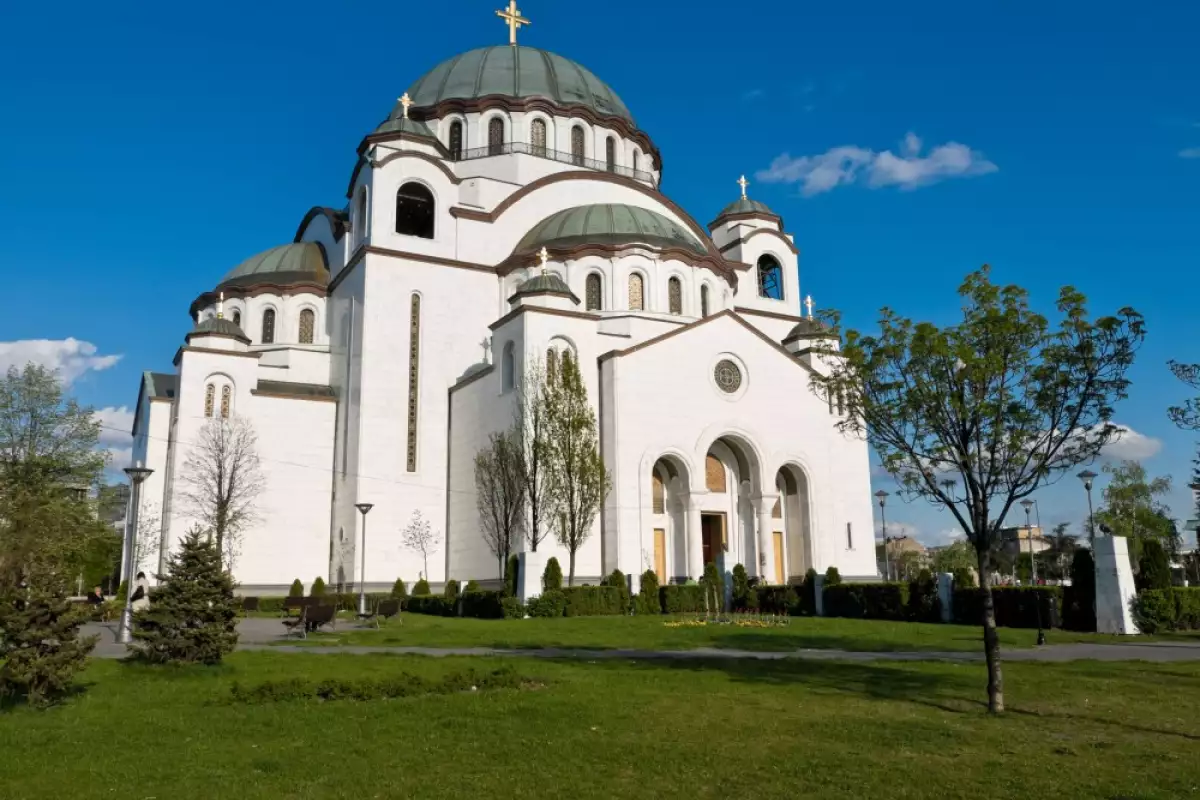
column 675, row 296
column 610, row 154
column 210, row 394
column 414, row 211
column 714, row 474
column 538, row 135
column 577, row 151
column 414, row 375
column 456, row 140
column 308, row 322
column 770, row 278
column 237, row 318
column 704, row 301
column 268, row 326
column 495, row 136
column 360, row 214
column 226, row 397
column 657, row 494
column 636, row 292
column 593, row 291
column 633, row 160
column 551, row 364
column 508, row 368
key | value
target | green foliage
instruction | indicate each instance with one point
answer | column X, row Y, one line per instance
column 714, row 588
column 648, row 601
column 774, row 600
column 964, row 578
column 617, row 580
column 676, row 599
column 1165, row 610
column 1154, row 569
column 595, row 601
column 472, row 586
column 482, row 604
column 318, row 587
column 430, row 604
column 399, row 590
column 193, row 617
column 1079, row 599
column 512, row 608
column 740, row 597
column 511, row 569
column 297, row 589
column 421, row 587
column 958, row 555
column 450, row 591
column 552, row 577
column 867, row 600
column 808, row 593
column 832, row 577
column 1132, row 508
column 548, row 604
column 375, row 688
column 923, row 602
column 1015, row 606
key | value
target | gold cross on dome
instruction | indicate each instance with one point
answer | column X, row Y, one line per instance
column 544, row 256
column 808, row 303
column 742, row 182
column 405, row 101
column 512, row 16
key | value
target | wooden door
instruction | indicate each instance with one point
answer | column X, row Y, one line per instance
column 660, row 555
column 777, row 537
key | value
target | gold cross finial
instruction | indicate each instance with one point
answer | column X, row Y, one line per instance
column 221, row 306
column 808, row 303
column 742, row 182
column 406, row 101
column 544, row 256
column 512, row 16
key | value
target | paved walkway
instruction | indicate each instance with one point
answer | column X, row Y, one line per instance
column 261, row 634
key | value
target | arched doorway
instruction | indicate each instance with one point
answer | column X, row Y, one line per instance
column 666, row 552
column 727, row 518
column 793, row 525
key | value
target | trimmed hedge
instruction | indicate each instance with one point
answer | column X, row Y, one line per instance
column 647, row 601
column 1162, row 610
column 1016, row 606
column 430, row 604
column 774, row 600
column 548, row 604
column 511, row 607
column 483, row 604
column 676, row 599
column 595, row 601
column 867, row 600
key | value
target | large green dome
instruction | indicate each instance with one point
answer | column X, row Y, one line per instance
column 301, row 262
column 608, row 223
column 520, row 72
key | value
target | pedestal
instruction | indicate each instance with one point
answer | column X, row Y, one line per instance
column 945, row 590
column 529, row 575
column 1114, row 586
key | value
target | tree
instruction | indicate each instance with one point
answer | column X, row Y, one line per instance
column 500, row 493
column 417, row 536
column 221, row 481
column 193, row 617
column 1154, row 569
column 1186, row 416
column 1131, row 507
column 552, row 576
column 532, row 427
column 580, row 479
column 954, row 556
column 978, row 415
column 1053, row 563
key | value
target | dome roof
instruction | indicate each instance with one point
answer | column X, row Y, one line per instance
column 515, row 72
column 810, row 329
column 219, row 326
column 744, row 205
column 546, row 282
column 301, row 262
column 608, row 223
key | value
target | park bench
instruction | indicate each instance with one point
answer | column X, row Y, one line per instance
column 318, row 616
column 249, row 604
column 383, row 608
column 296, row 604
column 297, row 625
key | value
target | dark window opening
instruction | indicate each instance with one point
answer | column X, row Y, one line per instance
column 414, row 211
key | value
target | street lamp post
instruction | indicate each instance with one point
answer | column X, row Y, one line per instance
column 137, row 474
column 362, row 583
column 1087, row 476
column 1037, row 600
column 887, row 562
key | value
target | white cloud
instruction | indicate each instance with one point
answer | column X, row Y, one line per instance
column 1190, row 152
column 70, row 357
column 119, row 458
column 1129, row 445
column 116, row 425
column 847, row 164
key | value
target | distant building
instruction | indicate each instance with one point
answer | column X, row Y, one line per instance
column 1015, row 541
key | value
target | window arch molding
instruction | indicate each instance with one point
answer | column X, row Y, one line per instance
column 563, row 344
column 579, row 133
column 220, row 391
column 447, row 124
column 302, row 307
column 706, row 300
column 593, row 290
column 765, row 263
column 508, row 366
column 415, row 226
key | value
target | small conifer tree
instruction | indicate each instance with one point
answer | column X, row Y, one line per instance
column 714, row 587
column 297, row 589
column 833, row 577
column 399, row 590
column 451, row 592
column 318, row 587
column 421, row 587
column 552, row 577
column 193, row 616
column 511, row 568
column 648, row 601
column 741, row 588
column 1154, row 568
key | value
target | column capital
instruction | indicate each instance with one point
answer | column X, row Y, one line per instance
column 765, row 503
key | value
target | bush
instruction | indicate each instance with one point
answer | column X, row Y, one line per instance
column 399, row 590
column 714, row 588
column 511, row 568
column 648, row 601
column 348, row 601
column 430, row 604
column 482, row 604
column 808, row 593
column 923, row 602
column 594, row 601
column 775, row 600
column 1187, row 608
column 41, row 649
column 472, row 586
column 450, row 592
column 867, row 600
column 511, row 608
column 548, row 604
column 832, row 577
column 1079, row 599
column 1015, row 606
column 297, row 589
column 964, row 578
column 552, row 576
column 421, row 587
column 318, row 587
column 677, row 599
column 617, row 580
column 374, row 688
column 740, row 597
column 1154, row 610
column 270, row 605
column 193, row 617
column 1154, row 569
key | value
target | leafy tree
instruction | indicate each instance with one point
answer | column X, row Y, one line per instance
column 978, row 415
column 1132, row 507
column 1187, row 416
column 418, row 536
column 512, row 569
column 552, row 576
column 500, row 493
column 581, row 481
column 1154, row 568
column 221, row 481
column 1054, row 562
column 532, row 425
column 964, row 578
column 193, row 617
column 954, row 556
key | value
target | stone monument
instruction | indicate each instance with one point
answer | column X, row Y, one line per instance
column 1114, row 586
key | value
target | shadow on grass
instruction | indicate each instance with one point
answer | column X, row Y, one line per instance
column 735, row 639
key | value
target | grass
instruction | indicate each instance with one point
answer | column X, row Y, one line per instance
column 650, row 633
column 688, row 729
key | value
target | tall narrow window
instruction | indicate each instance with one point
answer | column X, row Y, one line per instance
column 610, row 154
column 237, row 318
column 593, row 291
column 210, row 394
column 675, row 296
column 456, row 142
column 551, row 365
column 508, row 368
column 770, row 278
column 849, row 535
column 633, row 161
column 538, row 135
column 657, row 494
column 307, row 323
column 360, row 214
column 495, row 136
column 636, row 292
column 226, row 397
column 704, row 301
column 414, row 366
column 577, row 145
column 268, row 326
column 414, row 210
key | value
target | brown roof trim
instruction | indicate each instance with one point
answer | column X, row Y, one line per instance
column 768, row 231
column 337, row 223
column 196, row 334
column 771, row 314
column 813, row 337
column 722, row 219
column 458, row 212
column 363, row 250
column 468, row 381
column 718, row 266
column 545, row 293
column 282, row 396
column 188, row 349
column 437, row 162
column 281, row 289
column 557, row 312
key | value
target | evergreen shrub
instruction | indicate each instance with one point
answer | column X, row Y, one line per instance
column 1154, row 568
column 678, row 599
column 297, row 589
column 483, row 604
column 511, row 569
column 41, row 650
column 832, row 577
column 318, row 587
column 648, row 601
column 594, row 601
column 552, row 576
column 1079, row 599
column 548, row 604
column 399, row 590
column 512, row 608
column 421, row 587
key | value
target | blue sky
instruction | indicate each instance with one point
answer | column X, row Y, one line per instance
column 146, row 148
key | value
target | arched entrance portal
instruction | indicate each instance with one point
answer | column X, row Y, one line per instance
column 791, row 525
column 668, row 546
column 726, row 513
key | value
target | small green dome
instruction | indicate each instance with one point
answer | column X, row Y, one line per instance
column 546, row 282
column 398, row 123
column 608, row 223
column 745, row 205
column 810, row 329
column 515, row 72
column 219, row 326
column 300, row 262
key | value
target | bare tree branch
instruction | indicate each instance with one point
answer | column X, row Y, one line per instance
column 418, row 536
column 500, row 493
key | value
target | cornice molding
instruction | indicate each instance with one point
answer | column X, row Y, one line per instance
column 762, row 231
column 281, row 289
column 338, row 225
column 724, row 218
column 539, row 310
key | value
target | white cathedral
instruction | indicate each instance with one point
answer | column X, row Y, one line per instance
column 509, row 207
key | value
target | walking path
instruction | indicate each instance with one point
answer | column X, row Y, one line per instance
column 262, row 634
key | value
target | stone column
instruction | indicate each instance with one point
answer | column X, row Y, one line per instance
column 766, row 549
column 695, row 542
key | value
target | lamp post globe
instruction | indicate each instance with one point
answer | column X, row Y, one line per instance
column 137, row 475
column 1087, row 476
column 363, row 508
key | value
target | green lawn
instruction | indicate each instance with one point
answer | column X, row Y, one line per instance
column 617, row 729
column 650, row 633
